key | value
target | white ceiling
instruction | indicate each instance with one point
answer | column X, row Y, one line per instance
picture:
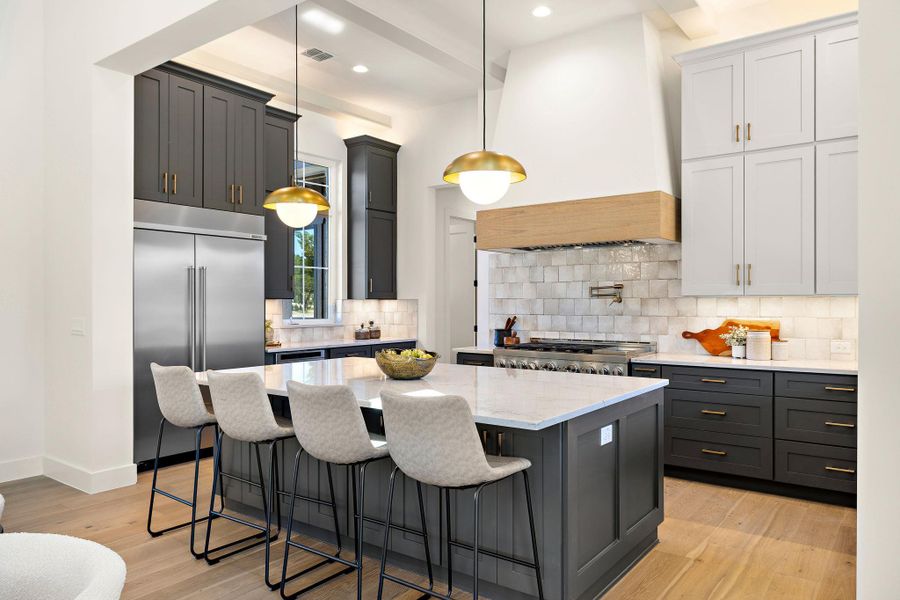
column 421, row 52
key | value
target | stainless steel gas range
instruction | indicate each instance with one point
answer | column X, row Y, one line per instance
column 573, row 356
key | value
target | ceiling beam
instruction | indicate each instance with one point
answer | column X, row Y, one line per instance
column 283, row 89
column 692, row 18
column 447, row 59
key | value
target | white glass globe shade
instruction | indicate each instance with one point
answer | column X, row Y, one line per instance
column 296, row 214
column 484, row 187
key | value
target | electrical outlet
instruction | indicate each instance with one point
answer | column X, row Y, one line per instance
column 841, row 347
column 77, row 327
column 606, row 435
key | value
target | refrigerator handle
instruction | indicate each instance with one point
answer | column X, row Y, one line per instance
column 192, row 276
column 203, row 317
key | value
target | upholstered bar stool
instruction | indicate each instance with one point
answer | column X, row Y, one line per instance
column 330, row 428
column 181, row 405
column 245, row 414
column 434, row 441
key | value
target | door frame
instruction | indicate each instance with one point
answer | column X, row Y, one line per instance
column 451, row 208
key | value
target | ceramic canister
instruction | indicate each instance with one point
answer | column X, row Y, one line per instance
column 759, row 345
column 780, row 350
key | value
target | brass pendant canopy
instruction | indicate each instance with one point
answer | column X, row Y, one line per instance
column 294, row 194
column 485, row 160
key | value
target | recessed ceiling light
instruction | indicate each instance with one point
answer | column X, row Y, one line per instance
column 541, row 11
column 323, row 21
column 361, row 69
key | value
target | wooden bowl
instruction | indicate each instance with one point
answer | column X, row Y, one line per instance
column 404, row 367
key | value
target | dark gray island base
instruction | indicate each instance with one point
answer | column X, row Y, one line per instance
column 598, row 503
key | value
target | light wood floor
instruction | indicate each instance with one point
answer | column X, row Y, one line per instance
column 716, row 543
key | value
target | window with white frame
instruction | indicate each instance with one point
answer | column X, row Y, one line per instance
column 311, row 247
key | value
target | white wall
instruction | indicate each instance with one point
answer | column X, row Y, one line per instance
column 22, row 305
column 878, row 575
column 585, row 116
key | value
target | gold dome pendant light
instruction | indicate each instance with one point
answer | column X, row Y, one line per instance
column 484, row 175
column 296, row 206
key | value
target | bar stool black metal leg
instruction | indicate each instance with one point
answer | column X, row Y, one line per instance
column 221, row 478
column 477, row 497
column 449, row 546
column 267, row 508
column 290, row 528
column 194, row 493
column 334, row 511
column 534, row 547
column 162, row 425
column 217, row 453
column 425, row 536
column 387, row 532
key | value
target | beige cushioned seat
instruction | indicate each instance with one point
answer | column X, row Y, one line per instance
column 178, row 394
column 329, row 424
column 243, row 408
column 434, row 440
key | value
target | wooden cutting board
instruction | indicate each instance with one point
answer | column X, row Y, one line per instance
column 712, row 343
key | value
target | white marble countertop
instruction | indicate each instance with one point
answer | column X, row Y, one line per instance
column 833, row 367
column 334, row 344
column 504, row 397
column 475, row 350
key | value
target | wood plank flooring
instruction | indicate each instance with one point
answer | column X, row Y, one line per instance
column 716, row 543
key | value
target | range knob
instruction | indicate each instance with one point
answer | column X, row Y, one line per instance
column 573, row 368
column 500, row 363
column 605, row 370
column 523, row 364
column 619, row 371
column 532, row 366
column 550, row 366
column 589, row 369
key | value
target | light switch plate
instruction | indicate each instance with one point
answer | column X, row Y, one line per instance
column 606, row 435
column 841, row 346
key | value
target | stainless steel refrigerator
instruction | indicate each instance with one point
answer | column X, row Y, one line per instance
column 198, row 301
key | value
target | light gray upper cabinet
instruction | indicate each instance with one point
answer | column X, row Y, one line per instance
column 836, row 217
column 771, row 210
column 712, row 107
column 837, row 82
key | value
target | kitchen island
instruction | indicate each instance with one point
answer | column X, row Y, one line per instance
column 595, row 444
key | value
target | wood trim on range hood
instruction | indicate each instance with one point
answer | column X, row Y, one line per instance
column 652, row 217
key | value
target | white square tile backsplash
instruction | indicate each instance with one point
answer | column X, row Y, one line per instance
column 549, row 292
column 397, row 319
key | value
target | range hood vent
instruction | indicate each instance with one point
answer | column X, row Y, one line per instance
column 642, row 218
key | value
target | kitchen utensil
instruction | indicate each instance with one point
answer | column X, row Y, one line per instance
column 499, row 335
column 396, row 366
column 712, row 343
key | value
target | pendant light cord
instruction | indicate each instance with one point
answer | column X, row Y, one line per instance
column 484, row 74
column 296, row 91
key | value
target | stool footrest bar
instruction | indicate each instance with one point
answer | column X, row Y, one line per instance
column 493, row 554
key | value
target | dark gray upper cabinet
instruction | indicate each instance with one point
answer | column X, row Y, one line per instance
column 199, row 140
column 185, row 141
column 372, row 227
column 151, row 135
column 219, row 120
column 278, row 152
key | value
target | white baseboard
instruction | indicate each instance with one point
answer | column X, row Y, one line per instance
column 87, row 481
column 21, row 468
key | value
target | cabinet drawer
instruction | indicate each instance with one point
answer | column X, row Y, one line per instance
column 722, row 452
column 475, row 360
column 737, row 381
column 816, row 421
column 816, row 386
column 743, row 414
column 348, row 351
column 816, row 466
column 653, row 371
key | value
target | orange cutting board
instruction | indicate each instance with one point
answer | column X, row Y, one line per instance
column 712, row 343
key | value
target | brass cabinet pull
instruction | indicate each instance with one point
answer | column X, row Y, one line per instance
column 241, row 192
column 832, row 388
column 841, row 470
column 749, row 267
column 232, row 193
column 713, row 452
column 500, row 444
column 748, row 131
column 370, row 285
column 645, row 369
column 718, row 413
column 381, row 421
column 174, row 183
column 737, row 274
column 165, row 182
column 713, row 381
column 737, row 132
column 835, row 424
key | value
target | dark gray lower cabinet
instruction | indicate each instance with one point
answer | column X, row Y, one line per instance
column 721, row 452
column 597, row 504
column 742, row 414
column 348, row 351
column 475, row 360
column 816, row 465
